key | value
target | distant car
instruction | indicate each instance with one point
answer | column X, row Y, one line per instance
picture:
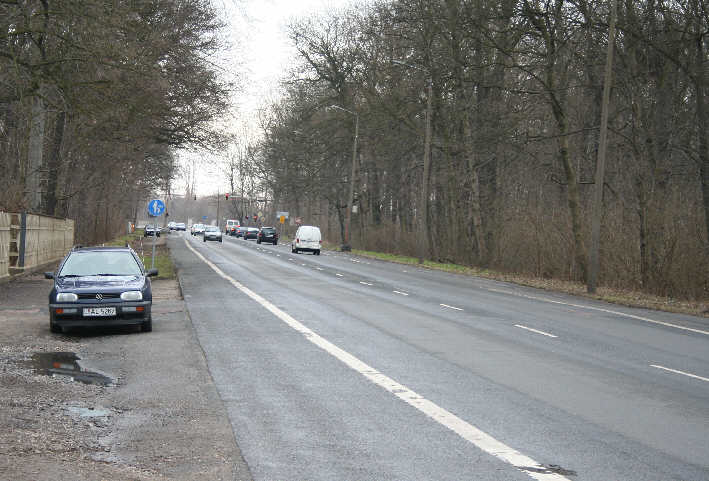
column 212, row 232
column 180, row 226
column 231, row 226
column 239, row 232
column 100, row 286
column 151, row 230
column 307, row 238
column 171, row 225
column 251, row 233
column 267, row 234
column 198, row 229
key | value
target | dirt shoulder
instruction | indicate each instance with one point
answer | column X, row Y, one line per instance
column 159, row 418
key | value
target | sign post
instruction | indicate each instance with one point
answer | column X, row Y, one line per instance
column 156, row 208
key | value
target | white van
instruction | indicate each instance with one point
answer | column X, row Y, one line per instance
column 307, row 238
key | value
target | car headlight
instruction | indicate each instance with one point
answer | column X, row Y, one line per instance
column 132, row 296
column 67, row 297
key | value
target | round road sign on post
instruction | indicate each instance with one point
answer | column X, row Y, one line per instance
column 156, row 208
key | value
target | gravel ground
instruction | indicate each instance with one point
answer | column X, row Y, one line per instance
column 159, row 418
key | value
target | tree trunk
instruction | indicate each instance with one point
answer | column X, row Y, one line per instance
column 702, row 134
column 53, row 164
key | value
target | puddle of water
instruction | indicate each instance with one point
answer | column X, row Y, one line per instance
column 89, row 412
column 65, row 364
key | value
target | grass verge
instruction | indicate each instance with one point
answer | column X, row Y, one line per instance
column 607, row 294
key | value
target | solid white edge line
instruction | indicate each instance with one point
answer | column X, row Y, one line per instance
column 467, row 431
column 451, row 307
column 608, row 311
column 680, row 372
column 535, row 330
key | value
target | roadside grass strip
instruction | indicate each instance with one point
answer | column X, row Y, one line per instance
column 467, row 431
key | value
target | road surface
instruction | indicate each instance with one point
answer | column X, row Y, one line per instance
column 340, row 367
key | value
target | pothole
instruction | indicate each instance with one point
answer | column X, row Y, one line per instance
column 65, row 364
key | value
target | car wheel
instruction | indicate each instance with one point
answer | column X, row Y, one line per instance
column 220, row 239
column 275, row 242
column 205, row 239
column 147, row 326
column 317, row 252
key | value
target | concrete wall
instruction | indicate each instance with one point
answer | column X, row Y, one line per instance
column 30, row 241
column 4, row 245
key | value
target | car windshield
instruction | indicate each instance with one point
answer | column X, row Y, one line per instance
column 212, row 228
column 268, row 230
column 91, row 263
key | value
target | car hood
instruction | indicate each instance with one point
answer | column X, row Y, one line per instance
column 134, row 282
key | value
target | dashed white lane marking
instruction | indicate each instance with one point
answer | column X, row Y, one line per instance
column 366, row 283
column 535, row 330
column 608, row 311
column 451, row 307
column 401, row 293
column 467, row 431
column 319, row 268
column 680, row 372
column 339, row 275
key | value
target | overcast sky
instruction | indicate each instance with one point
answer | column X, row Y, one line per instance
column 260, row 56
column 261, row 45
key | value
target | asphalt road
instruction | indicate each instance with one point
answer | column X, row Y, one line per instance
column 339, row 367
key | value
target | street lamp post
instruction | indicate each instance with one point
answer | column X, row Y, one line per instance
column 422, row 238
column 348, row 214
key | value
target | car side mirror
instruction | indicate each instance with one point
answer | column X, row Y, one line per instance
column 152, row 272
column 49, row 275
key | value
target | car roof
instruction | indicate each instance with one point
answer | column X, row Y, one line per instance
column 101, row 248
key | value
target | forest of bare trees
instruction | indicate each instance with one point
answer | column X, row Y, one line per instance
column 95, row 98
column 516, row 105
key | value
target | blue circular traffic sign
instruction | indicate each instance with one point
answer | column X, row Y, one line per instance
column 156, row 207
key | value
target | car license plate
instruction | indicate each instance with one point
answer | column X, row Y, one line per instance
column 99, row 311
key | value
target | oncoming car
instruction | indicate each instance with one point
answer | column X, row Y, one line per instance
column 212, row 232
column 151, row 230
column 99, row 287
